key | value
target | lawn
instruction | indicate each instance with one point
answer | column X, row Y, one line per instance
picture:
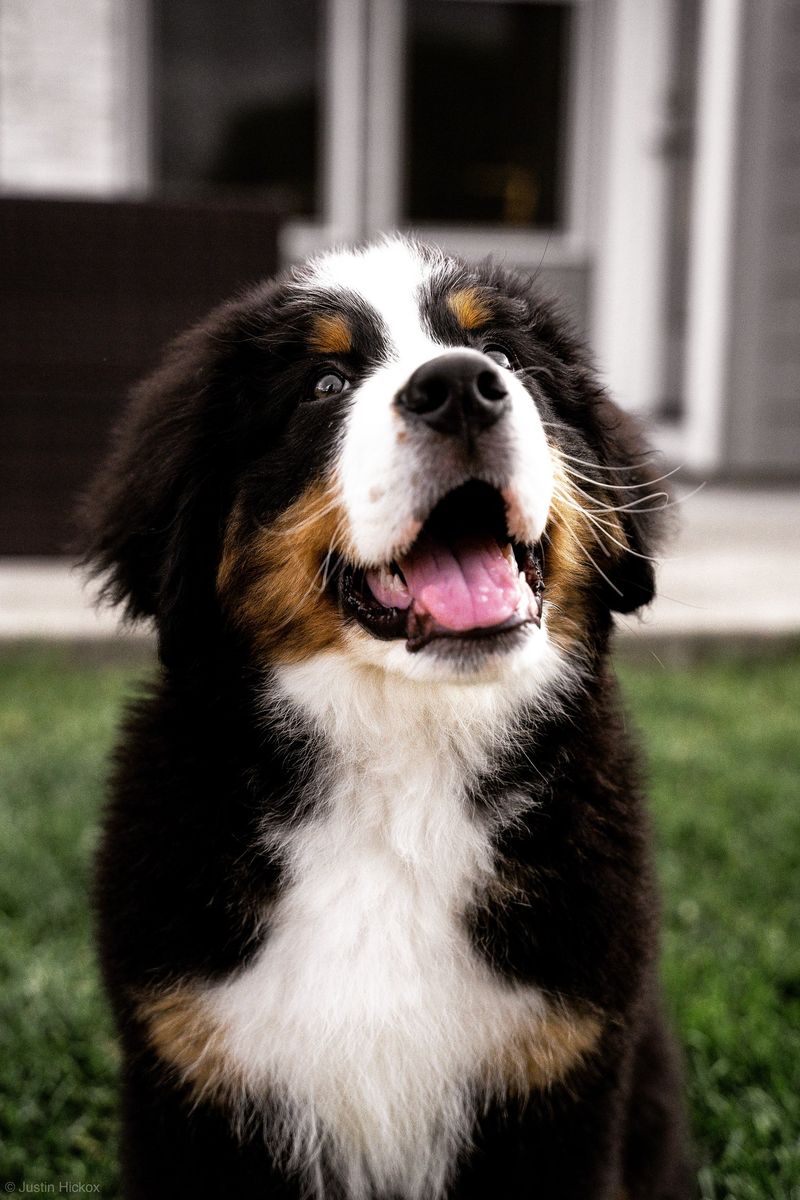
column 722, row 737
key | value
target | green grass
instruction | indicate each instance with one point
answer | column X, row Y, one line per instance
column 724, row 751
column 57, row 1055
column 725, row 764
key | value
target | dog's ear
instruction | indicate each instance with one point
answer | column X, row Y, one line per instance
column 617, row 439
column 151, row 523
column 640, row 500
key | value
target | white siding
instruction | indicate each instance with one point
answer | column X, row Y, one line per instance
column 73, row 95
column 764, row 419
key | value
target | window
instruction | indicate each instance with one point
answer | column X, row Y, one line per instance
column 486, row 112
column 237, row 98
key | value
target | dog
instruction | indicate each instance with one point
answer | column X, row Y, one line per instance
column 377, row 916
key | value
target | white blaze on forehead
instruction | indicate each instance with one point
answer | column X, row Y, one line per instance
column 390, row 277
column 376, row 471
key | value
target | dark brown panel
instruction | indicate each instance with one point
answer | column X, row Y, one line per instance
column 89, row 293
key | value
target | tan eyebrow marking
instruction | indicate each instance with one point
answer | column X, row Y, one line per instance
column 470, row 307
column 331, row 334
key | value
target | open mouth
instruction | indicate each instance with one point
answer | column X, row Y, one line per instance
column 464, row 578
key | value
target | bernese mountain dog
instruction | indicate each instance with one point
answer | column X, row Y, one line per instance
column 377, row 911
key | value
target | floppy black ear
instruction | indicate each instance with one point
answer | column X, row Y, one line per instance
column 634, row 470
column 620, row 445
column 152, row 520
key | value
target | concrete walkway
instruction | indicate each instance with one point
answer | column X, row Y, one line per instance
column 732, row 567
column 732, row 572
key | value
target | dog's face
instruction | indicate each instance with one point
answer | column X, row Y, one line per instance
column 386, row 454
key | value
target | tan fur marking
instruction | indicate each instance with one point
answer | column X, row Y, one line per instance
column 571, row 541
column 331, row 334
column 183, row 1035
column 271, row 580
column 542, row 1054
column 470, row 307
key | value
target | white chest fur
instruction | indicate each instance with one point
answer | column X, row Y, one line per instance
column 367, row 1010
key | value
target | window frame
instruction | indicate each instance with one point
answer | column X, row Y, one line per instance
column 363, row 146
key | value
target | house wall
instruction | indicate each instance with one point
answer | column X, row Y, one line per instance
column 763, row 414
column 75, row 92
column 73, row 107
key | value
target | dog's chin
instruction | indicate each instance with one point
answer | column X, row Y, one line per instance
column 524, row 651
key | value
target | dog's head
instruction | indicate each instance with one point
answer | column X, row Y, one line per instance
column 385, row 454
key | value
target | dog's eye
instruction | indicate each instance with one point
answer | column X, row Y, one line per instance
column 329, row 383
column 498, row 354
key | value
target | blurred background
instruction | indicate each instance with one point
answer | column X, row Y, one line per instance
column 638, row 156
column 641, row 158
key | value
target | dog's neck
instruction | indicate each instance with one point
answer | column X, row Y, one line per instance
column 366, row 714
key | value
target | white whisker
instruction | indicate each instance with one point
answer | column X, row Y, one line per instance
column 329, row 507
column 322, row 571
column 641, row 504
column 585, row 462
column 604, row 526
column 621, row 487
column 688, row 496
column 599, row 569
column 637, row 633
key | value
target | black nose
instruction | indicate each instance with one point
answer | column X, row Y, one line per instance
column 458, row 394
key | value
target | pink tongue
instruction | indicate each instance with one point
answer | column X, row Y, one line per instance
column 469, row 585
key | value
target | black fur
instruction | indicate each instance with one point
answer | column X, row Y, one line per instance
column 182, row 879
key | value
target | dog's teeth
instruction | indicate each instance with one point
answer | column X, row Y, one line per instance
column 393, row 582
column 398, row 574
column 508, row 555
